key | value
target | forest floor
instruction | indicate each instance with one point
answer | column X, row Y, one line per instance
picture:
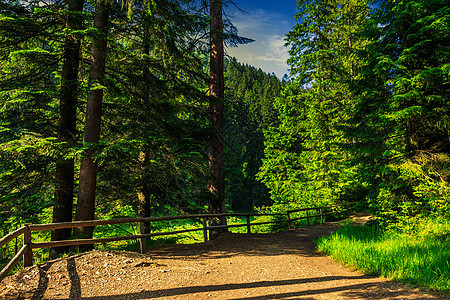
column 281, row 265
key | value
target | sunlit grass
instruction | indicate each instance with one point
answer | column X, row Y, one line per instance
column 413, row 258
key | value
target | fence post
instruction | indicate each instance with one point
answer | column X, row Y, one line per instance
column 321, row 215
column 28, row 254
column 142, row 241
column 249, row 230
column 289, row 220
column 205, row 230
column 307, row 216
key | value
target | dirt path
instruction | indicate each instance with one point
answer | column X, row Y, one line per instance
column 235, row 266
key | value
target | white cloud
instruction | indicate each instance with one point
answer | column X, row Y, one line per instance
column 276, row 51
column 268, row 30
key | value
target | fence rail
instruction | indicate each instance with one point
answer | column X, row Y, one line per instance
column 13, row 235
column 26, row 253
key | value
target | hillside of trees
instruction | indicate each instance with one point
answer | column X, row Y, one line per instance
column 365, row 117
column 118, row 109
column 249, row 112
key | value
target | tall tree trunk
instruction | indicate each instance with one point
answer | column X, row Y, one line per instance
column 144, row 193
column 88, row 168
column 216, row 152
column 62, row 209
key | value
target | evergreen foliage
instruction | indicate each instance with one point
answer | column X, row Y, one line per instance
column 406, row 85
column 154, row 105
column 155, row 117
column 363, row 117
column 306, row 163
column 248, row 112
column 29, row 53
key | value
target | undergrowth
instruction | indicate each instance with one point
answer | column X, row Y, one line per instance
column 419, row 258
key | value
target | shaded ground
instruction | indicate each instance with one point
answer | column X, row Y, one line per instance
column 235, row 266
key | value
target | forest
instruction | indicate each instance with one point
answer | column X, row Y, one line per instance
column 130, row 108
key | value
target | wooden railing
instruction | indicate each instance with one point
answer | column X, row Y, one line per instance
column 319, row 213
column 26, row 252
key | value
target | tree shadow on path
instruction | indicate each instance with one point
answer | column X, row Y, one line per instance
column 43, row 281
column 75, row 287
column 295, row 242
column 365, row 290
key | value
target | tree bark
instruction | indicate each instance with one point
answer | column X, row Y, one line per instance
column 88, row 168
column 144, row 193
column 216, row 152
column 62, row 209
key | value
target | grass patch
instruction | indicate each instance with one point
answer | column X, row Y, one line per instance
column 419, row 259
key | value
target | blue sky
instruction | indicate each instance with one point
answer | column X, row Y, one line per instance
column 267, row 22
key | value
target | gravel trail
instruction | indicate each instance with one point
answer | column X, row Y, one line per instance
column 235, row 266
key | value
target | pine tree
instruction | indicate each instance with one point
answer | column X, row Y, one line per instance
column 156, row 114
column 29, row 55
column 248, row 112
column 403, row 103
column 91, row 136
column 67, row 131
column 306, row 162
column 217, row 92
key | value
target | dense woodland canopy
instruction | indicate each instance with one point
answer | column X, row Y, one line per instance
column 363, row 116
column 151, row 150
column 249, row 111
column 154, row 121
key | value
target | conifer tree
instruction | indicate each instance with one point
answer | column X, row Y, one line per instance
column 91, row 136
column 217, row 92
column 401, row 126
column 248, row 113
column 67, row 131
column 29, row 52
column 305, row 161
column 155, row 115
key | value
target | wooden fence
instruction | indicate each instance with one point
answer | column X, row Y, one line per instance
column 26, row 252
